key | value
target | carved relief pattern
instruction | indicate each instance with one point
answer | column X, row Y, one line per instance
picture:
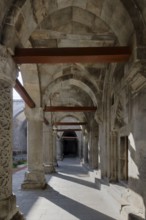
column 8, row 69
column 3, row 58
column 5, row 139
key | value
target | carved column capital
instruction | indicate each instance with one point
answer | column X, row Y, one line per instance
column 8, row 69
column 135, row 75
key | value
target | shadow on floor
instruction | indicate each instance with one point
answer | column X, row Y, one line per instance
column 72, row 169
column 75, row 180
column 74, row 208
column 53, row 204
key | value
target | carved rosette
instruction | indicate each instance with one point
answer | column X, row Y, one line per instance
column 5, row 139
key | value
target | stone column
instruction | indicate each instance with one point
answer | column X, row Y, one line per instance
column 137, row 154
column 59, row 149
column 79, row 143
column 8, row 209
column 93, row 146
column 54, row 149
column 94, row 149
column 34, row 177
column 48, row 149
column 85, row 148
column 113, row 157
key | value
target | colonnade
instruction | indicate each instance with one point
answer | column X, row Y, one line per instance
column 116, row 146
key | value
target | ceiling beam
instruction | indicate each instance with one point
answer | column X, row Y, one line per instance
column 68, row 130
column 24, row 95
column 66, row 137
column 71, row 55
column 69, row 123
column 70, row 109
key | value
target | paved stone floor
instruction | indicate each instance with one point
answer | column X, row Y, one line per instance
column 71, row 195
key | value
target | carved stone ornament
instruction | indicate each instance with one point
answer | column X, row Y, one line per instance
column 136, row 76
column 8, row 69
column 119, row 117
column 5, row 140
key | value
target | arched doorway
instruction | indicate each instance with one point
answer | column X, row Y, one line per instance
column 70, row 144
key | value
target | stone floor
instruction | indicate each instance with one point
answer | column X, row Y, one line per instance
column 71, row 195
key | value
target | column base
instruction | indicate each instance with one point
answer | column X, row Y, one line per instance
column 34, row 180
column 9, row 210
column 55, row 164
column 49, row 169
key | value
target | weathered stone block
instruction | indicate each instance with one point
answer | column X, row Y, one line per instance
column 83, row 17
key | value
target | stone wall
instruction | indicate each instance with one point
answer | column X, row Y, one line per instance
column 122, row 138
column 19, row 127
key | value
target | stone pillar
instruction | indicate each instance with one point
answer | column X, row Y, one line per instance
column 93, row 146
column 48, row 149
column 54, row 149
column 8, row 209
column 34, row 177
column 113, row 157
column 85, row 148
column 137, row 154
column 59, row 149
column 79, row 143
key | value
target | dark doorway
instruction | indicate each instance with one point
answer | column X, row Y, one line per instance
column 70, row 144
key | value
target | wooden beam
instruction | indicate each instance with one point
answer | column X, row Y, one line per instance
column 24, row 95
column 72, row 55
column 69, row 109
column 66, row 137
column 69, row 123
column 69, row 130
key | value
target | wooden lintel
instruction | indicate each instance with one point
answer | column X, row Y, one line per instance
column 72, row 55
column 24, row 95
column 69, row 123
column 66, row 137
column 68, row 130
column 70, row 109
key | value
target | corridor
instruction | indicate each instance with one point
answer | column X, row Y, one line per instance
column 71, row 195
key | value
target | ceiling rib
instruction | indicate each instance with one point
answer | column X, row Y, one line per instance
column 71, row 55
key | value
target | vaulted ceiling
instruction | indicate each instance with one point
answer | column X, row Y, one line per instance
column 69, row 23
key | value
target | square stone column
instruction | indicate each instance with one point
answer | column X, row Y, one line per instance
column 59, row 149
column 8, row 208
column 85, row 148
column 113, row 157
column 48, row 140
column 35, row 176
column 54, row 148
column 93, row 145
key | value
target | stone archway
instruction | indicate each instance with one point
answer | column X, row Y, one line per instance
column 70, row 144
